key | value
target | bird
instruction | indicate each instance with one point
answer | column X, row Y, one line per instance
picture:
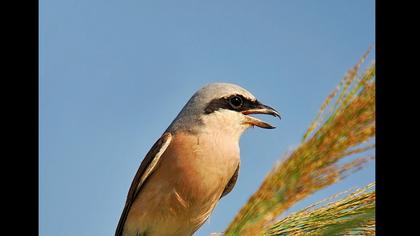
column 193, row 164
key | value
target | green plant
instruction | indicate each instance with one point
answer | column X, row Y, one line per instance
column 344, row 126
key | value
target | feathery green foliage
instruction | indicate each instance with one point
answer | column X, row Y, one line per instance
column 351, row 215
column 345, row 129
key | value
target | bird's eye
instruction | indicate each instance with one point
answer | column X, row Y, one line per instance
column 236, row 102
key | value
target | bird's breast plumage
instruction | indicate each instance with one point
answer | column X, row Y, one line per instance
column 186, row 186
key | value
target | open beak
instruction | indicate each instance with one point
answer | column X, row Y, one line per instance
column 260, row 109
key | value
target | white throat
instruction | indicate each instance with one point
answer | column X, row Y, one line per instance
column 225, row 124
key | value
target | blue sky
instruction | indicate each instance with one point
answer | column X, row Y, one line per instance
column 114, row 74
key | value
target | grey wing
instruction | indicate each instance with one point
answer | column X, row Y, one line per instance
column 231, row 183
column 147, row 166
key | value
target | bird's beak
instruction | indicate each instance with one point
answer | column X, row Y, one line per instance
column 260, row 109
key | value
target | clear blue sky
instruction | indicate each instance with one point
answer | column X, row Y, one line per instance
column 114, row 74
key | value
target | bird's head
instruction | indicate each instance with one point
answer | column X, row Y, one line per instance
column 222, row 107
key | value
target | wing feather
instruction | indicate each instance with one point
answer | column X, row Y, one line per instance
column 231, row 183
column 147, row 166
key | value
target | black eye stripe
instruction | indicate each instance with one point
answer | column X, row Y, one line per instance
column 225, row 103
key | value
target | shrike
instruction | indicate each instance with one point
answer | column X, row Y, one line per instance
column 192, row 165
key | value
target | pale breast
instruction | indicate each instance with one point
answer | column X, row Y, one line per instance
column 180, row 195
